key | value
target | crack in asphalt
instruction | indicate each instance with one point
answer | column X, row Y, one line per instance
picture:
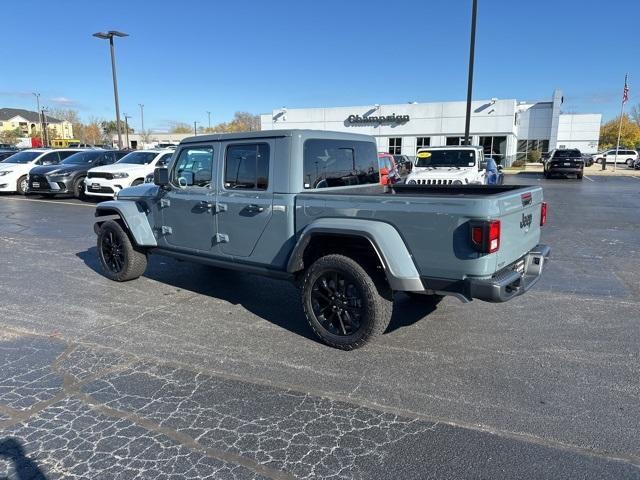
column 177, row 406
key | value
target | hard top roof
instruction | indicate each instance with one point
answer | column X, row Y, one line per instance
column 217, row 137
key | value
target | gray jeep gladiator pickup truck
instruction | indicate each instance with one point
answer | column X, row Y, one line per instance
column 308, row 206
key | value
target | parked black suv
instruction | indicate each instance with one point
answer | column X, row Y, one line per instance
column 563, row 162
column 68, row 176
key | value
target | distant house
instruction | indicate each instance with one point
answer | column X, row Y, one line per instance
column 29, row 123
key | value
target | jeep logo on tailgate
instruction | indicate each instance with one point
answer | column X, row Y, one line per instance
column 526, row 221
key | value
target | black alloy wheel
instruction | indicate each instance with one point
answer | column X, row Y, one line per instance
column 120, row 259
column 337, row 303
column 112, row 251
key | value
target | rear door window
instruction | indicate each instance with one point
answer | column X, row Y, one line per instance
column 247, row 167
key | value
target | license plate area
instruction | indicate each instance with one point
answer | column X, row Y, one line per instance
column 95, row 186
column 35, row 184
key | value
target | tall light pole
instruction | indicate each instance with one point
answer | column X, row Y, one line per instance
column 209, row 115
column 37, row 95
column 141, row 118
column 109, row 36
column 472, row 47
column 44, row 126
column 126, row 127
column 195, row 129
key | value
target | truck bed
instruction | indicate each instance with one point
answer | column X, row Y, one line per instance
column 434, row 221
column 420, row 190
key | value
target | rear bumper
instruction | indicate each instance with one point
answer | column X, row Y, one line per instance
column 565, row 169
column 506, row 284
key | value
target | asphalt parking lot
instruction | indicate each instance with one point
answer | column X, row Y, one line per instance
column 195, row 372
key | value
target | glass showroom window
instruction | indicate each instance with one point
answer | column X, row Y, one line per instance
column 395, row 145
column 455, row 141
column 494, row 147
column 526, row 146
column 422, row 142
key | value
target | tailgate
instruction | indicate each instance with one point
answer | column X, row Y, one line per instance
column 520, row 214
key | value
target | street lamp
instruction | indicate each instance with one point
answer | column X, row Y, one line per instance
column 126, row 127
column 109, row 36
column 44, row 126
column 37, row 95
column 141, row 118
column 195, row 128
column 472, row 47
column 209, row 114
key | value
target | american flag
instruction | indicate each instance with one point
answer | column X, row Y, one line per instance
column 625, row 92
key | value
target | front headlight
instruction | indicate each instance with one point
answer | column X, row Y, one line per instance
column 5, row 172
column 457, row 182
column 120, row 175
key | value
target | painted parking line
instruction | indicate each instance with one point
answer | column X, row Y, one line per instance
column 91, row 205
column 589, row 178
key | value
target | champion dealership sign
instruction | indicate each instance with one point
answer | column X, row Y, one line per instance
column 393, row 118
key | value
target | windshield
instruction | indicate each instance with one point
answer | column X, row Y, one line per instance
column 138, row 158
column 446, row 158
column 567, row 154
column 81, row 157
column 22, row 157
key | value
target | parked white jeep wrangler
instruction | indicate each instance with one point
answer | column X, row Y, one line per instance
column 453, row 165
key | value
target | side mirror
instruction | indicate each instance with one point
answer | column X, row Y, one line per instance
column 161, row 176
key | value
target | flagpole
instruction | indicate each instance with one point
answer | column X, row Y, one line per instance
column 615, row 158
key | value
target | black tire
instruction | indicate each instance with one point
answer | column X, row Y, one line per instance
column 21, row 185
column 137, row 181
column 629, row 162
column 579, row 176
column 78, row 188
column 121, row 261
column 363, row 304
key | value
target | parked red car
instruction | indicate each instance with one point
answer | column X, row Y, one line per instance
column 388, row 169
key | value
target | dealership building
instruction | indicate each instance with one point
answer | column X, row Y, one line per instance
column 507, row 129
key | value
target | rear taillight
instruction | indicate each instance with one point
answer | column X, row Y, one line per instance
column 543, row 213
column 485, row 236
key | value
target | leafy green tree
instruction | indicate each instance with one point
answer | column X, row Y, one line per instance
column 110, row 128
column 241, row 122
column 10, row 136
column 629, row 137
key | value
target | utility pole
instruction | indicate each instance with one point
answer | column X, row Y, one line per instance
column 472, row 47
column 37, row 95
column 44, row 126
column 141, row 118
column 209, row 115
column 195, row 129
column 109, row 36
column 126, row 127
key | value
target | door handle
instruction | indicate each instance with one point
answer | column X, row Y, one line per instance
column 253, row 208
column 205, row 204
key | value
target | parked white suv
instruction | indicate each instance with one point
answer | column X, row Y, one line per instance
column 107, row 180
column 624, row 156
column 15, row 169
column 454, row 165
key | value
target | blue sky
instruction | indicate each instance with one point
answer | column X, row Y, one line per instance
column 186, row 57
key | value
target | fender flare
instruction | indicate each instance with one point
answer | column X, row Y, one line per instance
column 392, row 252
column 133, row 216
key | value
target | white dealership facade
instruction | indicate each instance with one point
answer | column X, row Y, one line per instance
column 508, row 129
